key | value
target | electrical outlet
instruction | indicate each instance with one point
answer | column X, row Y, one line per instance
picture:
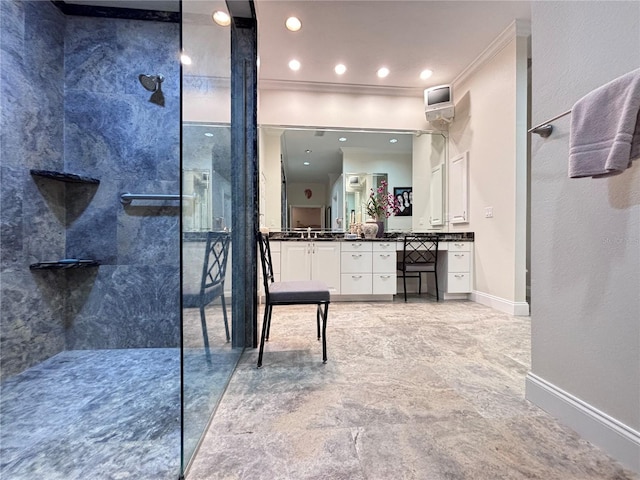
column 488, row 212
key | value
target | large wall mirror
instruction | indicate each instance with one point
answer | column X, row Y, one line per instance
column 322, row 178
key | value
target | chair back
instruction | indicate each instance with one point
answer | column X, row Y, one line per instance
column 420, row 249
column 265, row 258
column 215, row 260
column 203, row 283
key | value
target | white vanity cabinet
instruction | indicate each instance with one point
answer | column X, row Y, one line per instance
column 459, row 264
column 356, row 268
column 309, row 260
column 384, row 265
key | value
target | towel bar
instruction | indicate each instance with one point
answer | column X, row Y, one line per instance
column 544, row 129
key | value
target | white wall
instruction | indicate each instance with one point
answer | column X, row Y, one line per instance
column 585, row 235
column 318, row 109
column 490, row 123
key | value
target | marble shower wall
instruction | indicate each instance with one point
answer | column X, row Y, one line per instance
column 32, row 213
column 113, row 132
column 70, row 100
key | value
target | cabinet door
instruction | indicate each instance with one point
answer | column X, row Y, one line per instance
column 436, row 205
column 325, row 264
column 458, row 189
column 295, row 261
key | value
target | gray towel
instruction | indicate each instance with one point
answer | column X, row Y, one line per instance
column 605, row 129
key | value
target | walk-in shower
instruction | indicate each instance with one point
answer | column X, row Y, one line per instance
column 103, row 375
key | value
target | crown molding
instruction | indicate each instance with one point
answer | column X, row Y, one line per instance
column 517, row 28
column 343, row 88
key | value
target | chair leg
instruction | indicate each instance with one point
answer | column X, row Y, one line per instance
column 205, row 334
column 435, row 274
column 268, row 321
column 265, row 324
column 419, row 283
column 226, row 322
column 318, row 313
column 404, row 284
column 324, row 333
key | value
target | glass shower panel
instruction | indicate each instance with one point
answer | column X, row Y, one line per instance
column 208, row 358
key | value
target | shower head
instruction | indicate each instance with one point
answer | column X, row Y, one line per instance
column 151, row 82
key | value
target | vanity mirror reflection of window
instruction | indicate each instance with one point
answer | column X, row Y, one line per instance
column 339, row 161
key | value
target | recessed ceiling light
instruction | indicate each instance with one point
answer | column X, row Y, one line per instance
column 383, row 72
column 294, row 65
column 208, row 134
column 307, row 151
column 340, row 69
column 342, row 139
column 393, row 140
column 306, row 163
column 221, row 18
column 425, row 74
column 185, row 59
column 293, row 24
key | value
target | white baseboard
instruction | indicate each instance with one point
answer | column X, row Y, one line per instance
column 519, row 309
column 617, row 439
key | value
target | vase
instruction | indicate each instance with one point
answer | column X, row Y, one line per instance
column 370, row 229
column 380, row 233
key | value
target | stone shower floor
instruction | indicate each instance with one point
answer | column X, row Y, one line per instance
column 93, row 414
column 107, row 414
column 419, row 390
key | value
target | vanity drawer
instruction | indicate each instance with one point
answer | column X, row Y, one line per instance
column 355, row 284
column 355, row 262
column 459, row 261
column 459, row 282
column 384, row 246
column 384, row 284
column 355, row 247
column 459, row 246
column 384, row 262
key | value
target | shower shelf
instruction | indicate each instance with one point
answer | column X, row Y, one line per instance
column 64, row 176
column 64, row 264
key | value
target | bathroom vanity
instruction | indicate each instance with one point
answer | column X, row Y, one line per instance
column 365, row 269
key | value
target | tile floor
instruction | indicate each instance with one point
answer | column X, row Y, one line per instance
column 421, row 390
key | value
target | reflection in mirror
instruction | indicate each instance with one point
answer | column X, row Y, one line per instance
column 358, row 187
column 334, row 169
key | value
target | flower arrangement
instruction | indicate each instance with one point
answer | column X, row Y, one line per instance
column 382, row 204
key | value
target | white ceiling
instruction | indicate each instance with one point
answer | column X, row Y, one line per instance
column 405, row 36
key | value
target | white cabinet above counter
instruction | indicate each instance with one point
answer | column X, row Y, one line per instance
column 365, row 269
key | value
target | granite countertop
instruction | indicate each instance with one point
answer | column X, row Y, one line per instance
column 389, row 236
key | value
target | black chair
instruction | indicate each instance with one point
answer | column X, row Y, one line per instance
column 419, row 255
column 301, row 292
column 211, row 282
